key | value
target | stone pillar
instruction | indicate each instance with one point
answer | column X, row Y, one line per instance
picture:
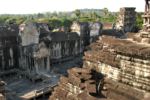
column 11, row 57
column 27, row 63
column 42, row 65
column 48, row 63
column 36, row 66
column 3, row 62
column 144, row 20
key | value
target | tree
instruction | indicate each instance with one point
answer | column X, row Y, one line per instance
column 66, row 22
column 55, row 23
column 19, row 19
column 95, row 16
column 10, row 21
column 78, row 13
column 106, row 12
column 139, row 20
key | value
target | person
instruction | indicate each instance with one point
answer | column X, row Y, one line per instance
column 147, row 5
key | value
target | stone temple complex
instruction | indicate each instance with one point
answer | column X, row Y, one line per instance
column 113, row 69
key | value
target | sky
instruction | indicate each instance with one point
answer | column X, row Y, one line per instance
column 40, row 6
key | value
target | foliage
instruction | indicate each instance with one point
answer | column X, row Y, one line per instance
column 54, row 23
column 78, row 13
column 59, row 19
column 139, row 21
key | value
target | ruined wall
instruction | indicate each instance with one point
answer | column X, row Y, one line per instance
column 40, row 46
column 95, row 30
column 34, row 54
column 8, row 47
column 65, row 45
column 88, row 32
column 124, row 62
column 126, row 19
column 29, row 34
column 34, row 59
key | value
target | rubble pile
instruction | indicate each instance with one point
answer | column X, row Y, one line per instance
column 124, row 68
column 79, row 85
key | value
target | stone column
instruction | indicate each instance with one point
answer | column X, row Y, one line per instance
column 42, row 64
column 11, row 57
column 48, row 63
column 144, row 20
column 36, row 66
column 148, row 21
column 3, row 62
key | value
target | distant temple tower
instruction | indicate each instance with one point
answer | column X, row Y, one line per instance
column 126, row 19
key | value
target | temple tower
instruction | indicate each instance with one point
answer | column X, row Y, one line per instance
column 126, row 19
column 145, row 33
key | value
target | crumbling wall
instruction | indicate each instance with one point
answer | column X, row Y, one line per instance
column 34, row 54
column 29, row 34
column 8, row 47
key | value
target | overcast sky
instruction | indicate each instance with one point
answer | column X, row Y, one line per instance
column 36, row 6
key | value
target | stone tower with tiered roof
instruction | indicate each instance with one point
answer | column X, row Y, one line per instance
column 126, row 19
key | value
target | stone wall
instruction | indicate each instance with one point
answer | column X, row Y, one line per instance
column 123, row 62
column 8, row 47
column 126, row 19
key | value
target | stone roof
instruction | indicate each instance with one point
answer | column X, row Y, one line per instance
column 62, row 36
